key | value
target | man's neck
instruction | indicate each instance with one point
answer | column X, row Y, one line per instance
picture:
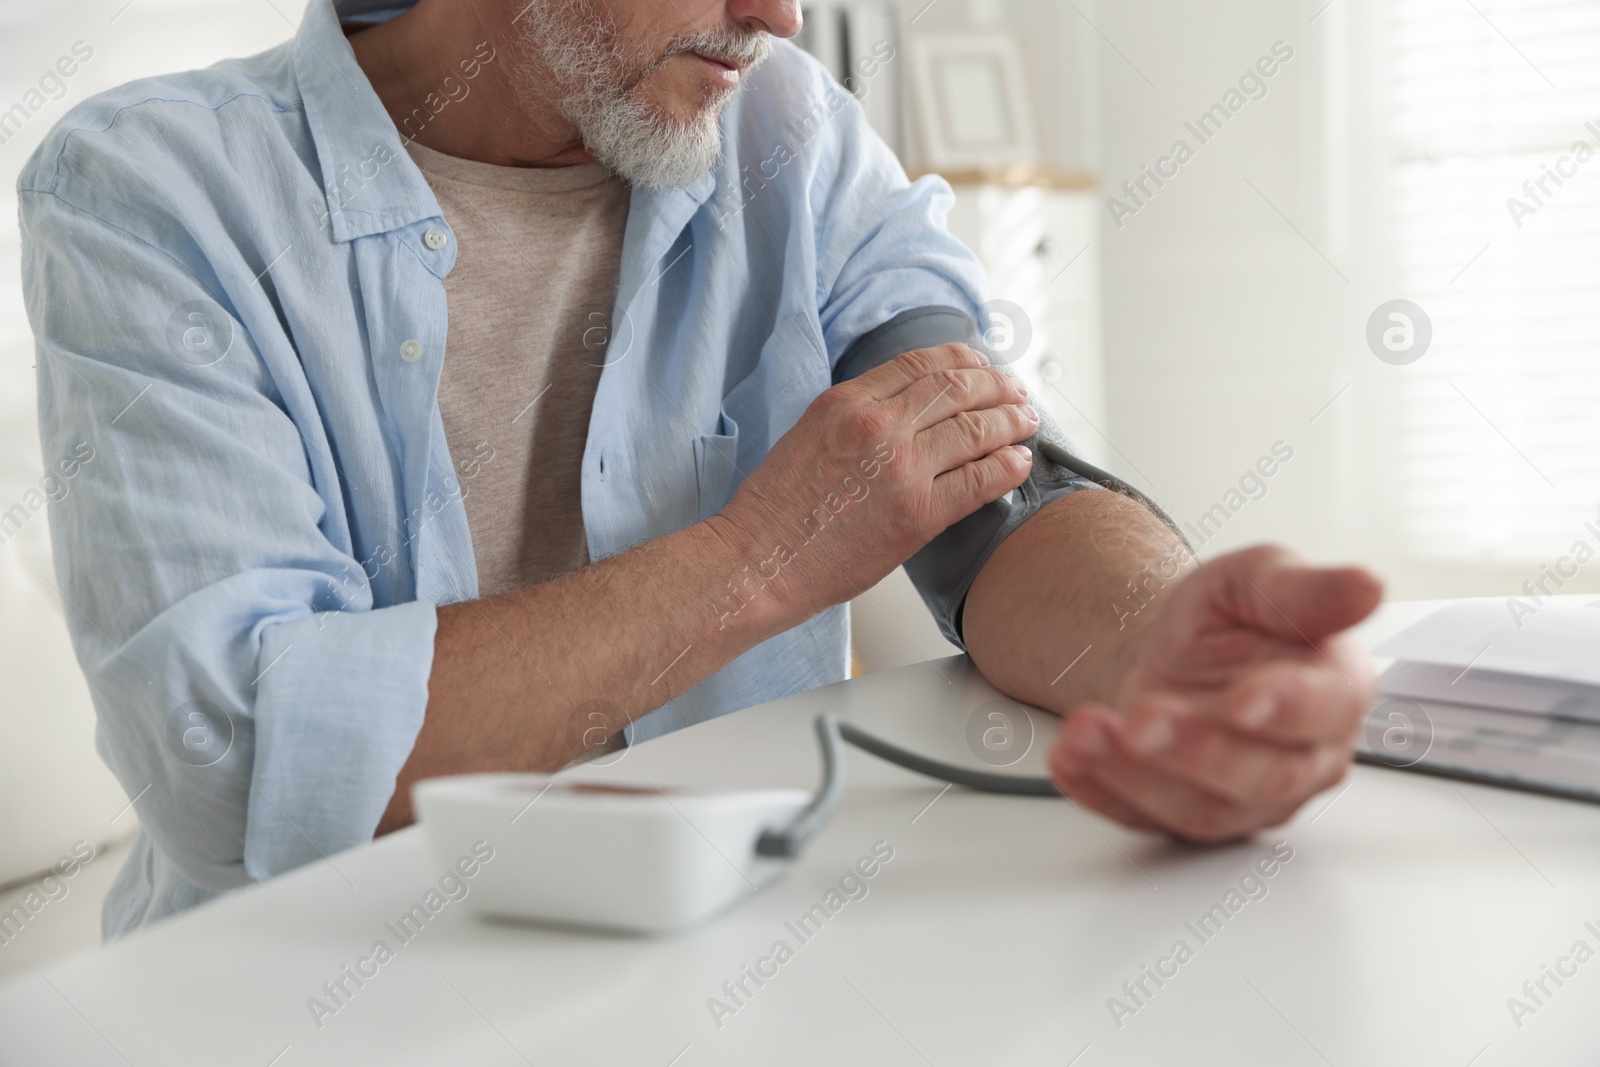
column 408, row 59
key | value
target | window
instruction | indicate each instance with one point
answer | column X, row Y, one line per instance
column 1497, row 201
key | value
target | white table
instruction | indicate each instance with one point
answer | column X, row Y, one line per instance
column 1411, row 910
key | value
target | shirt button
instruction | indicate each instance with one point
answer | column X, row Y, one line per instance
column 435, row 238
column 410, row 351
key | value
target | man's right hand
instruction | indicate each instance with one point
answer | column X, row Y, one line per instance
column 876, row 468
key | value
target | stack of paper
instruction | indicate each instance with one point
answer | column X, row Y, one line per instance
column 1482, row 692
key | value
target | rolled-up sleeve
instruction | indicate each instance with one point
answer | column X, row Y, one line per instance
column 882, row 245
column 249, row 695
column 893, row 279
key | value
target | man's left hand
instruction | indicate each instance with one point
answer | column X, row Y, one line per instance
column 1243, row 700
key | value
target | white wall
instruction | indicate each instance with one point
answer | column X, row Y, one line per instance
column 1221, row 322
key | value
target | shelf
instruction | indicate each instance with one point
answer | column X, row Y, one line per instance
column 1019, row 175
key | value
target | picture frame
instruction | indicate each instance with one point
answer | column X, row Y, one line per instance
column 972, row 104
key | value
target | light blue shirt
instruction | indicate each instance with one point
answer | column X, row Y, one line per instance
column 235, row 280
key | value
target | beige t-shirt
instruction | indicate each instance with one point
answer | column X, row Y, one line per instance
column 538, row 255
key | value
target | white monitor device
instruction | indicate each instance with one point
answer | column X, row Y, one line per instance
column 632, row 858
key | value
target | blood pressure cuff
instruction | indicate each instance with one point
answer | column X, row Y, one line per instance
column 946, row 567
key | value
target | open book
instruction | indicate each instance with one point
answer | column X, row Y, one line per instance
column 1483, row 692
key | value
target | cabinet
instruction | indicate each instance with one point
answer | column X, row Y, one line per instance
column 1036, row 232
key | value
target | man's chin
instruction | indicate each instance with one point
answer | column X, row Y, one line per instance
column 664, row 155
column 687, row 108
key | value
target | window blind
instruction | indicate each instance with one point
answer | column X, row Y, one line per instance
column 1498, row 437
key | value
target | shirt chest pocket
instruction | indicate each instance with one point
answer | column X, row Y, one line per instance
column 760, row 408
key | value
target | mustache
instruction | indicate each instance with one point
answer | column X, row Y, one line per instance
column 737, row 47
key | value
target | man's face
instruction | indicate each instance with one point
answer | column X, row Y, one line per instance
column 691, row 54
column 644, row 81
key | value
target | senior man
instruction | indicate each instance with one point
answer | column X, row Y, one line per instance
column 476, row 384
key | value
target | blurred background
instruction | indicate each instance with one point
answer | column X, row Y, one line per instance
column 1352, row 243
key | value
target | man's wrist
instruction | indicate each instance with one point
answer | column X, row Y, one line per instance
column 750, row 578
column 1121, row 675
column 1058, row 615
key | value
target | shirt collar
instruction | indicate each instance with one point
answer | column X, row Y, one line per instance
column 370, row 181
column 371, row 10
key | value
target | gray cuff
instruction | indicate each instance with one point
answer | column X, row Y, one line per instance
column 945, row 568
column 925, row 327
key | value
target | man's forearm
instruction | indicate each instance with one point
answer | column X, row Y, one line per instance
column 530, row 680
column 1057, row 613
column 533, row 679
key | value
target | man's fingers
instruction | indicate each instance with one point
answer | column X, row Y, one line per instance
column 1098, row 752
column 1311, row 699
column 931, row 400
column 1097, row 759
column 1232, row 765
column 891, row 378
column 958, row 493
column 1271, row 589
column 1081, row 787
column 1074, row 780
column 970, row 435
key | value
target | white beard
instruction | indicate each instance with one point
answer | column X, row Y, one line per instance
column 597, row 90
